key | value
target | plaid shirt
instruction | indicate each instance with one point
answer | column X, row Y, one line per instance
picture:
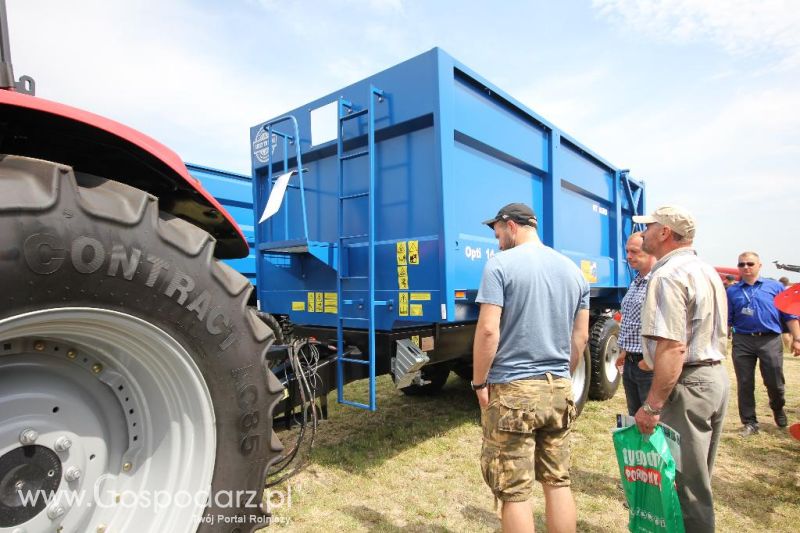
column 630, row 339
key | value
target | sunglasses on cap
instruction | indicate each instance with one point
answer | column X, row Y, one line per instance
column 746, row 263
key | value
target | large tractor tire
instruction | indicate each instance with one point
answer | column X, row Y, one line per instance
column 131, row 369
column 580, row 381
column 605, row 351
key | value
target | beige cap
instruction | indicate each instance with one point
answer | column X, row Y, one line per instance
column 675, row 218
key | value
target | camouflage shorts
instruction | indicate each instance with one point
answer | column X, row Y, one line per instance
column 526, row 431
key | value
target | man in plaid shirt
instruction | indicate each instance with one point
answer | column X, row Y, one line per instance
column 635, row 379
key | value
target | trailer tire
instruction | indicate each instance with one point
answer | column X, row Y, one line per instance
column 436, row 374
column 124, row 340
column 605, row 351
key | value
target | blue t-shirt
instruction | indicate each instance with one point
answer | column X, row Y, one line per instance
column 540, row 292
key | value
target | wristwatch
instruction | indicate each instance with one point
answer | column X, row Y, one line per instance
column 479, row 386
column 650, row 410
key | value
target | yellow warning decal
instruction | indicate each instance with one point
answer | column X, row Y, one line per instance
column 401, row 253
column 415, row 340
column 413, row 252
column 298, row 306
column 421, row 296
column 416, row 309
column 589, row 270
column 310, row 302
column 318, row 305
column 331, row 303
column 402, row 278
column 403, row 307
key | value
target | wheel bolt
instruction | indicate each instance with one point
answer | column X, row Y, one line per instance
column 55, row 510
column 101, row 528
column 72, row 354
column 127, row 467
column 28, row 436
column 38, row 346
column 72, row 473
column 62, row 444
column 97, row 368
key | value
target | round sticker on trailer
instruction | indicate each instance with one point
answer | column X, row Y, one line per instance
column 261, row 146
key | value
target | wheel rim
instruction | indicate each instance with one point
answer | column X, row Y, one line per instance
column 579, row 379
column 611, row 351
column 132, row 404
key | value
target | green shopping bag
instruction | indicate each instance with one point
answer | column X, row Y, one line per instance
column 648, row 476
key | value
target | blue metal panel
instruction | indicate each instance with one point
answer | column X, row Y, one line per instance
column 235, row 193
column 450, row 149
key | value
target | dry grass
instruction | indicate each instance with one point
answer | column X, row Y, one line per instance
column 413, row 466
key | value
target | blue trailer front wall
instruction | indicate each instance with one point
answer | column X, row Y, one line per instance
column 235, row 193
column 450, row 150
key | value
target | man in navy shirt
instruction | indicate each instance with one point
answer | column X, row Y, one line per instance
column 756, row 324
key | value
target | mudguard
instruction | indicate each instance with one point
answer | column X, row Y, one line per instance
column 35, row 127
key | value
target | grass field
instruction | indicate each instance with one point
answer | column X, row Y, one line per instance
column 413, row 466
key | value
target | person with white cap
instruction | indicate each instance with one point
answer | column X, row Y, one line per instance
column 684, row 331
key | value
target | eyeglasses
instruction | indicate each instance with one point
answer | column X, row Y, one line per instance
column 746, row 263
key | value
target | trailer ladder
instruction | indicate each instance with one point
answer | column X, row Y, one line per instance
column 344, row 280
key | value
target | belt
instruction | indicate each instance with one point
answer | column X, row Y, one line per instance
column 542, row 377
column 758, row 334
column 634, row 357
column 706, row 362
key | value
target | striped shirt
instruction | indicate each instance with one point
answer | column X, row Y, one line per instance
column 686, row 303
column 630, row 339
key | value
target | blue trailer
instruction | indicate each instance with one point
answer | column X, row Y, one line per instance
column 368, row 205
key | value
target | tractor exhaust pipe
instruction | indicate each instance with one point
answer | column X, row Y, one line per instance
column 25, row 84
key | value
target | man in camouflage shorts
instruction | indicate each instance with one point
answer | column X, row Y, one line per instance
column 532, row 329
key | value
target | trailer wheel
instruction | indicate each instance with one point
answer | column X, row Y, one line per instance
column 605, row 351
column 436, row 374
column 131, row 368
column 580, row 380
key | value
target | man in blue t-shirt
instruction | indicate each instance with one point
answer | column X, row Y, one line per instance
column 756, row 324
column 532, row 330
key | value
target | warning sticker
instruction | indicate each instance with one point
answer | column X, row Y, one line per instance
column 310, row 302
column 402, row 277
column 401, row 253
column 415, row 340
column 403, row 307
column 298, row 306
column 589, row 270
column 318, row 305
column 416, row 309
column 421, row 296
column 331, row 303
column 413, row 252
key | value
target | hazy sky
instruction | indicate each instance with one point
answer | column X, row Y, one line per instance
column 700, row 98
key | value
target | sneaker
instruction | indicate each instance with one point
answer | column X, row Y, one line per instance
column 748, row 429
column 780, row 418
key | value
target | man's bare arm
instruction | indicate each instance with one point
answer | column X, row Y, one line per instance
column 669, row 360
column 580, row 336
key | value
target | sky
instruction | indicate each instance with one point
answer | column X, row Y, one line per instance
column 699, row 98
